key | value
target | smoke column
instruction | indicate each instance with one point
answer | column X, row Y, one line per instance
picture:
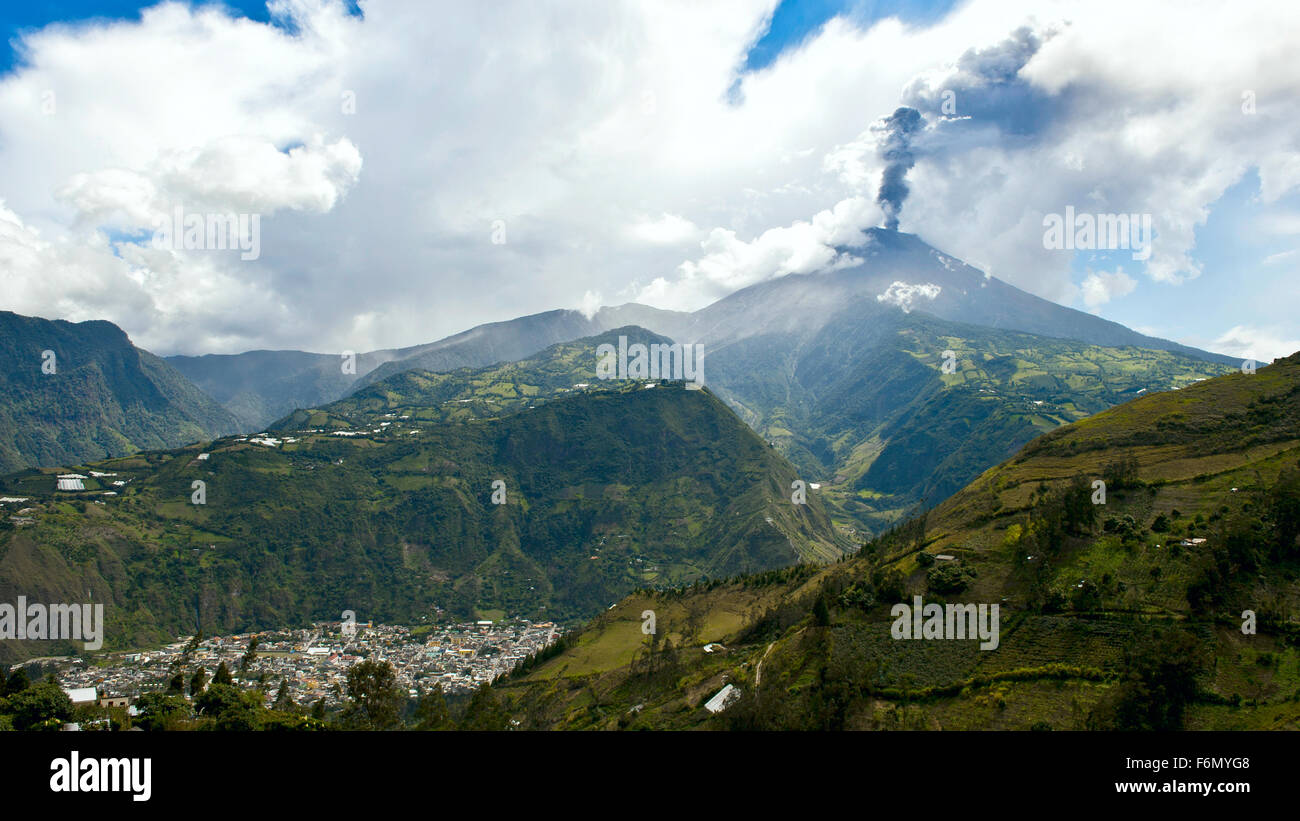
column 896, row 151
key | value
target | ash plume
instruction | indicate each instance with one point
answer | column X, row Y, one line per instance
column 896, row 151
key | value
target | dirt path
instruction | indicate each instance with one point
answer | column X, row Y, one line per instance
column 758, row 671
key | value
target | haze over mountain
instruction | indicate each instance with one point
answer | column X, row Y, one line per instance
column 260, row 386
column 927, row 280
column 841, row 368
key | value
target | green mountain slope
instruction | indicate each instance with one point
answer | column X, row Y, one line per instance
column 261, row 386
column 104, row 397
column 1117, row 611
column 865, row 404
column 472, row 393
column 606, row 491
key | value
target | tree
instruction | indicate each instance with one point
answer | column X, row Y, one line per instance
column 484, row 712
column 222, row 676
column 1284, row 511
column 230, row 708
column 41, row 706
column 249, row 657
column 176, row 685
column 283, row 701
column 1121, row 474
column 821, row 612
column 159, row 711
column 376, row 700
column 191, row 646
column 197, row 682
column 1079, row 514
column 1159, row 681
column 15, row 682
column 431, row 711
column 949, row 577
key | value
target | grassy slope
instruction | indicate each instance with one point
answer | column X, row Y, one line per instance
column 1056, row 662
column 865, row 407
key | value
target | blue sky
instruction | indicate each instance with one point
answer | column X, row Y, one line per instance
column 1248, row 273
column 34, row 14
column 472, row 114
column 794, row 20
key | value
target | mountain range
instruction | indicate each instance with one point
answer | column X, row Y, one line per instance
column 842, row 369
column 261, row 386
column 868, row 392
column 421, row 493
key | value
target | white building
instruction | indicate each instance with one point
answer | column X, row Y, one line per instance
column 81, row 695
column 722, row 700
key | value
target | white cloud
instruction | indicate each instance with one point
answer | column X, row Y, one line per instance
column 233, row 174
column 606, row 144
column 1286, row 223
column 668, row 229
column 730, row 263
column 1260, row 344
column 590, row 304
column 905, row 296
column 1101, row 287
column 1281, row 256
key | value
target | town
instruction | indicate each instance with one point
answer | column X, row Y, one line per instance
column 313, row 663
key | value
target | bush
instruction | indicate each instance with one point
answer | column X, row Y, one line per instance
column 41, row 706
column 949, row 577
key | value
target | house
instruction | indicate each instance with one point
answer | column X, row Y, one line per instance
column 723, row 699
column 81, row 695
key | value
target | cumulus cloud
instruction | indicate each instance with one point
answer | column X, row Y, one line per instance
column 730, row 263
column 235, row 174
column 1260, row 344
column 605, row 151
column 904, row 295
column 1101, row 287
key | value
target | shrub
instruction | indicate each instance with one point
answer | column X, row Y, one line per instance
column 949, row 577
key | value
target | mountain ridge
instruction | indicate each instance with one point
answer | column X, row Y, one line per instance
column 83, row 390
column 294, row 379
